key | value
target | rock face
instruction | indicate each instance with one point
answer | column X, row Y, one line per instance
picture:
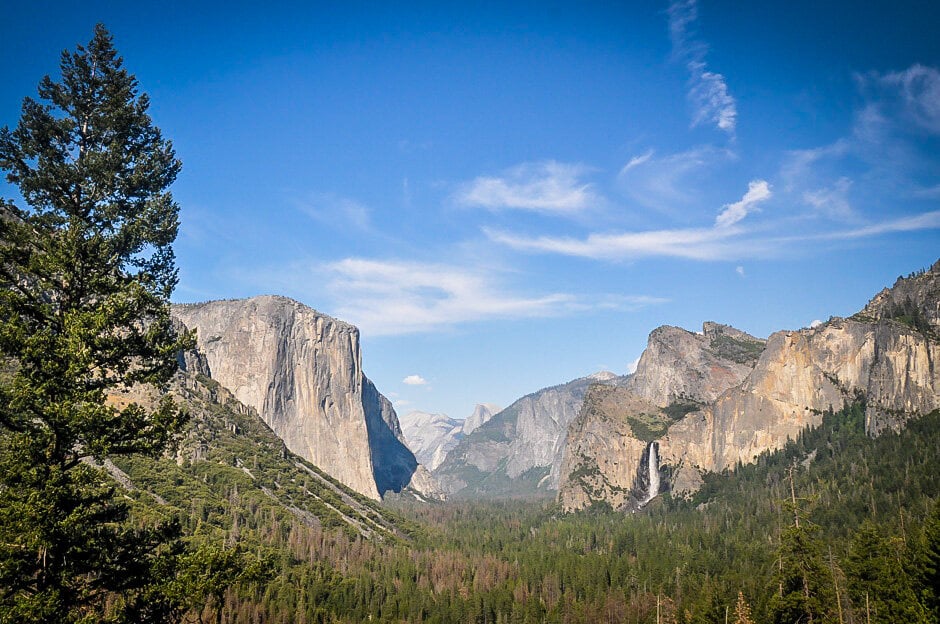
column 681, row 366
column 519, row 450
column 801, row 374
column 608, row 447
column 302, row 371
column 603, row 454
column 481, row 415
column 720, row 413
column 430, row 436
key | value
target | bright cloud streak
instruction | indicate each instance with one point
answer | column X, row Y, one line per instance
column 726, row 240
column 708, row 92
column 757, row 191
column 636, row 161
column 550, row 187
column 399, row 297
column 414, row 380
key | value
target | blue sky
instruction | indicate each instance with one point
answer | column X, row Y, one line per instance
column 506, row 196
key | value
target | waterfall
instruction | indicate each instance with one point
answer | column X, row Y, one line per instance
column 652, row 467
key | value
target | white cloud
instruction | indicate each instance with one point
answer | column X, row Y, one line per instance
column 694, row 244
column 671, row 180
column 708, row 91
column 918, row 89
column 739, row 270
column 723, row 240
column 710, row 99
column 636, row 161
column 816, row 323
column 924, row 221
column 726, row 240
column 757, row 192
column 831, row 201
column 550, row 187
column 631, row 367
column 400, row 297
column 415, row 380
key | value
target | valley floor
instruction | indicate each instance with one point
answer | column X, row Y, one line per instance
column 855, row 537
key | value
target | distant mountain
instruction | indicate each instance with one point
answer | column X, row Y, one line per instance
column 519, row 450
column 302, row 372
column 696, row 407
column 431, row 436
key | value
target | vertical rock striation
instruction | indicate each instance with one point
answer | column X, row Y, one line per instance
column 727, row 397
column 302, row 371
column 519, row 450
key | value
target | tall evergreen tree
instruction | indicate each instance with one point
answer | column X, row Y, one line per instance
column 879, row 586
column 803, row 580
column 928, row 565
column 86, row 271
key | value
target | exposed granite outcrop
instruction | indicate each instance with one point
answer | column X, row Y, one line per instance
column 431, row 436
column 302, row 371
column 803, row 373
column 602, row 451
column 886, row 355
column 682, row 366
column 520, row 449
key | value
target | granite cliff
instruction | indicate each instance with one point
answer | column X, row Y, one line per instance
column 302, row 372
column 431, row 436
column 519, row 450
column 608, row 445
column 886, row 355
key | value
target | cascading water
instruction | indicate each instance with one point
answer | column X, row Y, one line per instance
column 652, row 467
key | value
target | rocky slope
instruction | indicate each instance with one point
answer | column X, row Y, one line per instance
column 431, row 436
column 302, row 371
column 607, row 447
column 230, row 465
column 686, row 367
column 519, row 450
column 886, row 355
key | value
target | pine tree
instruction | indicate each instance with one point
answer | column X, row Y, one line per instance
column 928, row 564
column 86, row 271
column 879, row 587
column 803, row 580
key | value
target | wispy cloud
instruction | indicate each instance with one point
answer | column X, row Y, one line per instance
column 757, row 192
column 693, row 244
column 831, row 201
column 400, row 297
column 636, row 161
column 549, row 187
column 414, row 380
column 708, row 93
column 723, row 240
column 664, row 183
column 335, row 210
column 882, row 160
column 727, row 239
column 918, row 91
column 924, row 221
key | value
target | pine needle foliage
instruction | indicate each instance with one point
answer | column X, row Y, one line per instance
column 86, row 272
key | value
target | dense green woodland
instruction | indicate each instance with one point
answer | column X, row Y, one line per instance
column 869, row 528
